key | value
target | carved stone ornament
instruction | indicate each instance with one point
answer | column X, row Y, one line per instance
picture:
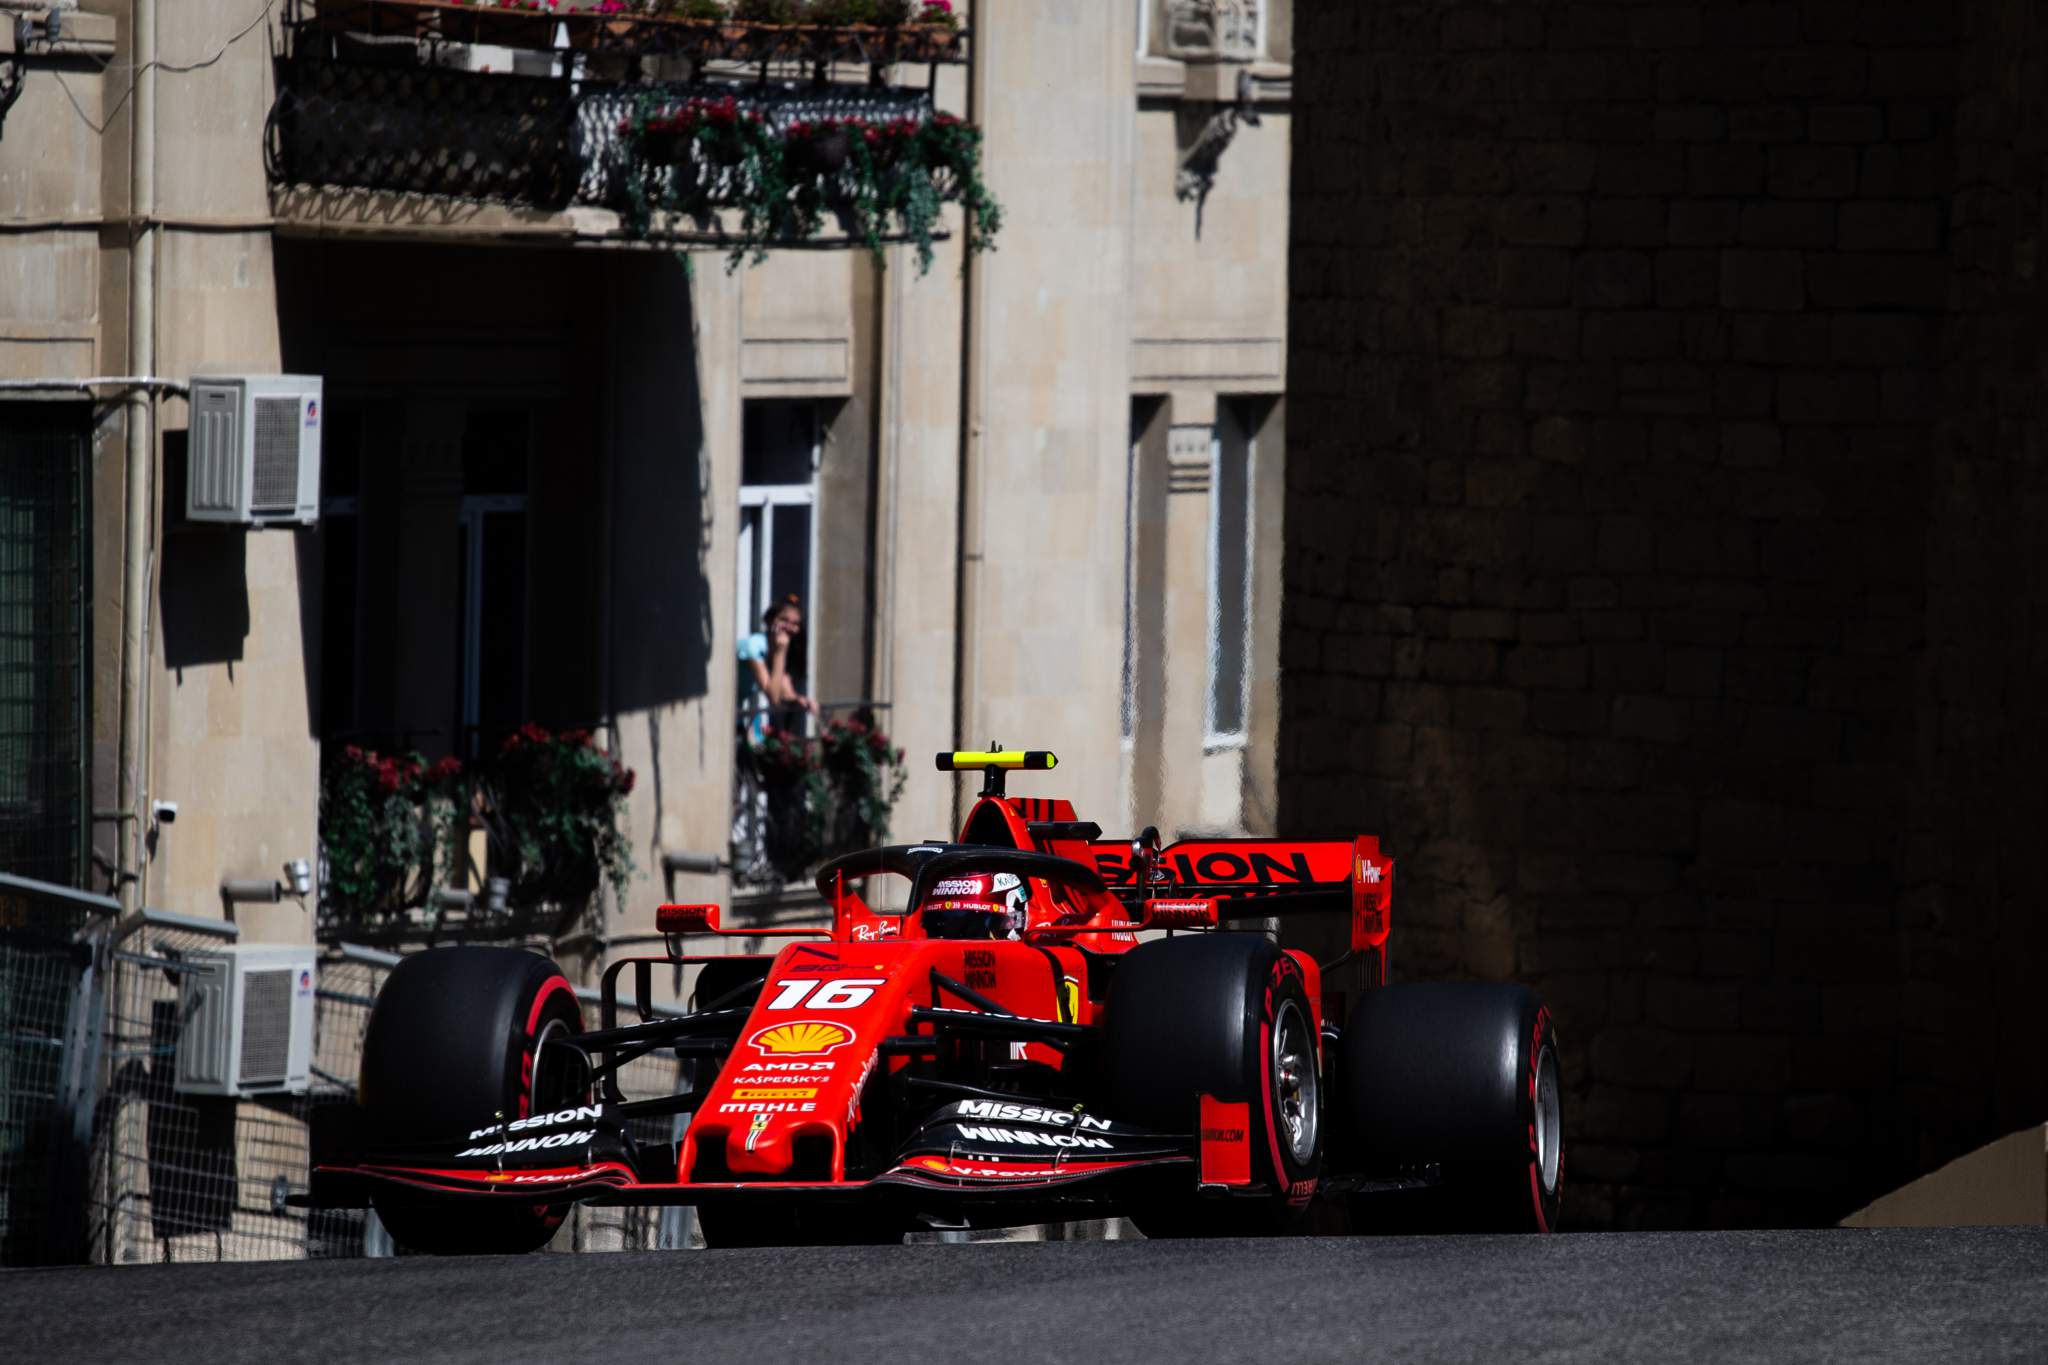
column 1212, row 30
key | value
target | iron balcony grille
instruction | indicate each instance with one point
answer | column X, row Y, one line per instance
column 530, row 141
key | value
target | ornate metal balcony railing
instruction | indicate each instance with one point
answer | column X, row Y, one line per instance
column 535, row 141
column 582, row 27
column 371, row 97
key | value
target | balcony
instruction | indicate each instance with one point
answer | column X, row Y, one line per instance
column 756, row 136
column 810, row 792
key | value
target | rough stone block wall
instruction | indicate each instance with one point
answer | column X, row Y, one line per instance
column 1664, row 578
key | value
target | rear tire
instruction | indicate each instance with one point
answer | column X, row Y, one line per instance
column 1227, row 1015
column 1461, row 1075
column 458, row 1037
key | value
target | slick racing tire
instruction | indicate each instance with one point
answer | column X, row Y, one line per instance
column 457, row 1037
column 1461, row 1076
column 1226, row 1015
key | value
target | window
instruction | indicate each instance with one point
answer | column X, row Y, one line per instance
column 43, row 594
column 495, row 454
column 1230, row 579
column 779, row 453
column 341, row 536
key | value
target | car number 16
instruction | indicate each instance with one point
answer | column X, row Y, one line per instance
column 843, row 994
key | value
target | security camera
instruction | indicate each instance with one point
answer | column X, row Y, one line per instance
column 298, row 874
column 163, row 812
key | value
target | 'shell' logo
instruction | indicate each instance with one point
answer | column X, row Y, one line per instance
column 801, row 1038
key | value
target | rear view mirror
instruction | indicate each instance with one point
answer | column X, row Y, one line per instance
column 687, row 919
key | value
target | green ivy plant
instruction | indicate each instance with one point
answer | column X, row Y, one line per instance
column 674, row 150
column 899, row 176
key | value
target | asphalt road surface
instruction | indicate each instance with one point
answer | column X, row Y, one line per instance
column 1970, row 1294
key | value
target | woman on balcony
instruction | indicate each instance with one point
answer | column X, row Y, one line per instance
column 768, row 694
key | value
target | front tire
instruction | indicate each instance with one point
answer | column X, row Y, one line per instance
column 1226, row 1015
column 1463, row 1076
column 458, row 1038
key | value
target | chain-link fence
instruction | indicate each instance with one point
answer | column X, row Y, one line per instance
column 104, row 1157
column 41, row 978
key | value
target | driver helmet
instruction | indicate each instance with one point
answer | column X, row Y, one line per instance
column 984, row 905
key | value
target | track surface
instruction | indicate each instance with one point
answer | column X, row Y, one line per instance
column 1970, row 1294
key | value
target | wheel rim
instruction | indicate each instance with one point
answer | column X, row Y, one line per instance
column 558, row 1080
column 1295, row 1095
column 1549, row 1124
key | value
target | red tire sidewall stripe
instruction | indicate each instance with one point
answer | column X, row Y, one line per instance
column 541, row 997
column 551, row 1216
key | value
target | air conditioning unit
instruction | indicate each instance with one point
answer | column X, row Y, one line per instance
column 246, row 1020
column 253, row 453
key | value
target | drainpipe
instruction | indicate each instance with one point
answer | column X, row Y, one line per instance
column 967, row 517
column 138, row 491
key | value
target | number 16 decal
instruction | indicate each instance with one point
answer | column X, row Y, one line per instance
column 844, row 994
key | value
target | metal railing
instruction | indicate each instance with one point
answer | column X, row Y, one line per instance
column 790, row 810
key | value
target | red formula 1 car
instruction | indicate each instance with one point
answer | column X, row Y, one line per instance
column 1004, row 1050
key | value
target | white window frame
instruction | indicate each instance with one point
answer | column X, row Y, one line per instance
column 751, row 589
column 1212, row 738
column 476, row 508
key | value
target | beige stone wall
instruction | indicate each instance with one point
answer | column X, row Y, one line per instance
column 917, row 533
column 1208, row 324
column 677, row 403
column 1045, row 521
column 230, row 740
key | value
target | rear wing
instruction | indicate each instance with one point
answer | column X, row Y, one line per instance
column 1256, row 878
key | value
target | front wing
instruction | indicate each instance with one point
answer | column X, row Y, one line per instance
column 972, row 1149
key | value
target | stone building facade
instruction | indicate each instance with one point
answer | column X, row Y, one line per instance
column 1663, row 574
column 977, row 437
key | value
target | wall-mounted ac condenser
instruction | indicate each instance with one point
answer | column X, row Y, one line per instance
column 253, row 452
column 246, row 1020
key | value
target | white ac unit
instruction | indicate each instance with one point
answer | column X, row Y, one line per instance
column 253, row 453
column 246, row 1020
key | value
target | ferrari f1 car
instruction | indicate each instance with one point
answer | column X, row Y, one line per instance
column 1012, row 1044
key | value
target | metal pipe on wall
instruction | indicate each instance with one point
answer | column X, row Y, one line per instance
column 138, row 492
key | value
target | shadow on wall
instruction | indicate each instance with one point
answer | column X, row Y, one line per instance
column 661, row 515
column 203, row 583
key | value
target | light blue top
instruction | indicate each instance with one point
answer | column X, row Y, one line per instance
column 752, row 702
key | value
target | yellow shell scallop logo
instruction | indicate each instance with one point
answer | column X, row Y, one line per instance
column 801, row 1038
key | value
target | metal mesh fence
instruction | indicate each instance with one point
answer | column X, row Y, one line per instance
column 39, row 978
column 184, row 1177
